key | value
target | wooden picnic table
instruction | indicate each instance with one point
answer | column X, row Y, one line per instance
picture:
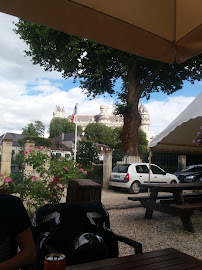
column 165, row 259
column 178, row 206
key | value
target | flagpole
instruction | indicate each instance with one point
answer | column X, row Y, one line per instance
column 75, row 140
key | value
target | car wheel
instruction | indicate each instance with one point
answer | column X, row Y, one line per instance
column 135, row 187
column 116, row 188
column 173, row 182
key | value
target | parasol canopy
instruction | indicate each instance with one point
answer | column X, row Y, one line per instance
column 164, row 30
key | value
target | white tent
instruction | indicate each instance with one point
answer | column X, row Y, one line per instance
column 178, row 136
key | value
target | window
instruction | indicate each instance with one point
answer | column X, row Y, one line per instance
column 142, row 169
column 156, row 170
column 195, row 169
column 121, row 168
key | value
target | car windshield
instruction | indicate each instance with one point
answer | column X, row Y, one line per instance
column 121, row 168
column 192, row 169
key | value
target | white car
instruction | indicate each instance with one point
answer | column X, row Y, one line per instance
column 130, row 176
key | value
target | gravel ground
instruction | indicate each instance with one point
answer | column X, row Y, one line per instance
column 163, row 231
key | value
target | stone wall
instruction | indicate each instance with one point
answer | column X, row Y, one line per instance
column 6, row 156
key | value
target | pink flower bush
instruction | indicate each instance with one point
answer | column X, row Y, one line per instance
column 30, row 145
column 40, row 147
column 66, row 168
column 25, row 152
column 7, row 180
column 34, row 178
column 30, row 150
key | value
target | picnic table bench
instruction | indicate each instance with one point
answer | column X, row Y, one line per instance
column 177, row 203
column 169, row 198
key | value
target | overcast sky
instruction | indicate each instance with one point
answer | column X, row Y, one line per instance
column 28, row 93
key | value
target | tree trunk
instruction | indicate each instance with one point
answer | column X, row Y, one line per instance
column 132, row 118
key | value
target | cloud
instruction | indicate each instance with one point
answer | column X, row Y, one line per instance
column 14, row 65
column 162, row 113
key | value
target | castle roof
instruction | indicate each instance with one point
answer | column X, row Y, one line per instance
column 143, row 109
column 88, row 118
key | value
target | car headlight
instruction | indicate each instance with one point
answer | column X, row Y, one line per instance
column 190, row 177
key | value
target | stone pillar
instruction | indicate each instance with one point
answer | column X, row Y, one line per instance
column 27, row 145
column 181, row 162
column 28, row 170
column 107, row 168
column 6, row 156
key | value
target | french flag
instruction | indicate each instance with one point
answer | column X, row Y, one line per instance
column 74, row 113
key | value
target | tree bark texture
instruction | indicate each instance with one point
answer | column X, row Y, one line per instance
column 132, row 118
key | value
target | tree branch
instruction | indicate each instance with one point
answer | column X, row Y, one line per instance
column 153, row 75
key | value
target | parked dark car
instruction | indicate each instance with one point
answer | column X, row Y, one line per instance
column 192, row 173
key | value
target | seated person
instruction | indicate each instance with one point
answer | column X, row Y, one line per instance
column 15, row 233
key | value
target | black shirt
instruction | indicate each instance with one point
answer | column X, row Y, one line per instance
column 13, row 220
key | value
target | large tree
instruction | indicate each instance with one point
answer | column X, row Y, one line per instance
column 61, row 125
column 100, row 66
column 30, row 130
column 40, row 128
column 37, row 129
column 98, row 133
column 87, row 153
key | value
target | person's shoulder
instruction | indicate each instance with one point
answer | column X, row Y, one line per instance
column 9, row 199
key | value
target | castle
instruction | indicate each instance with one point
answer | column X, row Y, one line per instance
column 105, row 118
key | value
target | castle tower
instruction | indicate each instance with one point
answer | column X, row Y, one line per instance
column 60, row 113
column 104, row 115
column 145, row 121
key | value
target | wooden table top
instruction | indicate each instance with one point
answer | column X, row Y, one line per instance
column 165, row 259
column 181, row 186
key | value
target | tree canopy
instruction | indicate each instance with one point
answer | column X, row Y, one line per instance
column 102, row 134
column 87, row 153
column 37, row 129
column 39, row 141
column 61, row 125
column 99, row 67
column 30, row 130
column 98, row 133
column 40, row 128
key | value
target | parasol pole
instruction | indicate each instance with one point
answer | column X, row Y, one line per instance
column 150, row 155
column 75, row 140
